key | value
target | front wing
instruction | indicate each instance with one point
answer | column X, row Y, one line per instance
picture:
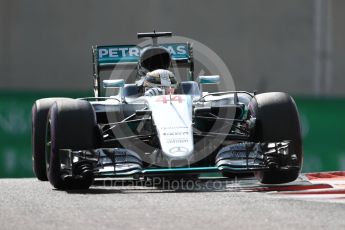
column 237, row 158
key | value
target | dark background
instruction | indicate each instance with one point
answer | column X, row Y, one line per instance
column 269, row 45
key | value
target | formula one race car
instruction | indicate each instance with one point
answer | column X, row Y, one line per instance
column 159, row 127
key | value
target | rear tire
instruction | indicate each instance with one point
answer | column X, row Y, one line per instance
column 71, row 125
column 40, row 111
column 277, row 120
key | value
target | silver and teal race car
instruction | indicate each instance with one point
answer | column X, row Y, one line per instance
column 124, row 132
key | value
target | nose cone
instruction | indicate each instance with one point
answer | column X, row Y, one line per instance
column 173, row 119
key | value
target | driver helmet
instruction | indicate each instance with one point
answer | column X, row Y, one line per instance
column 160, row 78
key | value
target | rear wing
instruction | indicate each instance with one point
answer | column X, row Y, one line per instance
column 107, row 57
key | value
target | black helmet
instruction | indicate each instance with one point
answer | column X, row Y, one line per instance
column 153, row 58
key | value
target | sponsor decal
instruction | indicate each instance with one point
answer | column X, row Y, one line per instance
column 174, row 127
column 175, row 133
column 177, row 141
column 118, row 52
column 131, row 53
column 178, row 149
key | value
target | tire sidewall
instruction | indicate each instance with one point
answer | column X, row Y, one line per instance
column 277, row 120
column 60, row 119
column 39, row 112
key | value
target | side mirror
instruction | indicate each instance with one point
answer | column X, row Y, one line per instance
column 212, row 79
column 114, row 83
column 208, row 80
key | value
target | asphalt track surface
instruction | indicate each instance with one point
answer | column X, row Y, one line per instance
column 213, row 204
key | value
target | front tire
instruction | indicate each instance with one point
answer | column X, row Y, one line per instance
column 277, row 120
column 40, row 111
column 71, row 125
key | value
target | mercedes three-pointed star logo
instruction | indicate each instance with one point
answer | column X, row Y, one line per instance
column 178, row 149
